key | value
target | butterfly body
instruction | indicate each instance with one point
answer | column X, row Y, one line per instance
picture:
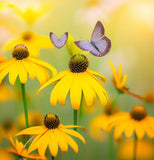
column 99, row 45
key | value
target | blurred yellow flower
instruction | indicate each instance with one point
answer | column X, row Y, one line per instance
column 53, row 134
column 7, row 129
column 72, row 48
column 149, row 97
column 20, row 150
column 34, row 119
column 118, row 81
column 33, row 42
column 144, row 150
column 31, row 13
column 5, row 155
column 22, row 64
column 98, row 125
column 77, row 79
column 137, row 120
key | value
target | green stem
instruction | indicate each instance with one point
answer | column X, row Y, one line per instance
column 53, row 157
column 75, row 118
column 25, row 104
column 81, row 107
column 111, row 150
column 135, row 147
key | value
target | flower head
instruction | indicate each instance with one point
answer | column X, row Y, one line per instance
column 137, row 120
column 29, row 13
column 20, row 150
column 33, row 42
column 54, row 134
column 77, row 79
column 98, row 125
column 119, row 81
column 22, row 64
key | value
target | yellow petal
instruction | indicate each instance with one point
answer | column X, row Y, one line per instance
column 3, row 73
column 73, row 126
column 54, row 97
column 54, row 79
column 139, row 130
column 103, row 78
column 75, row 92
column 119, row 128
column 119, row 72
column 32, row 130
column 75, row 134
column 129, row 129
column 53, row 143
column 123, row 80
column 114, row 72
column 70, row 142
column 22, row 72
column 38, row 141
column 61, row 141
column 43, row 41
column 45, row 64
column 13, row 73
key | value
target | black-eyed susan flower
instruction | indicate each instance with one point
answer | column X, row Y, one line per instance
column 54, row 134
column 77, row 79
column 144, row 150
column 98, row 125
column 30, row 13
column 32, row 41
column 20, row 150
column 149, row 97
column 4, row 155
column 118, row 80
column 22, row 65
column 7, row 129
column 136, row 121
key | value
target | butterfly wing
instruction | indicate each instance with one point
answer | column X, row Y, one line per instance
column 59, row 42
column 101, row 46
column 84, row 45
column 98, row 31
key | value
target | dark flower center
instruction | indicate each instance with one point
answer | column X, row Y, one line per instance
column 20, row 52
column 51, row 121
column 78, row 63
column 138, row 113
column 7, row 125
column 110, row 109
column 27, row 36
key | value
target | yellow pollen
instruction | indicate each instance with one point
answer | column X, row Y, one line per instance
column 78, row 63
column 51, row 121
column 138, row 112
column 20, row 52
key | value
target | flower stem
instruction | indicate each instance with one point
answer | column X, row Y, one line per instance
column 111, row 152
column 25, row 104
column 135, row 147
column 75, row 118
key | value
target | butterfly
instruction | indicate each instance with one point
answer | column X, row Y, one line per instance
column 99, row 45
column 59, row 42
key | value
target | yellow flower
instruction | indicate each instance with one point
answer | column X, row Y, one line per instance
column 77, row 79
column 149, row 97
column 5, row 155
column 29, row 14
column 7, row 129
column 20, row 150
column 22, row 64
column 53, row 134
column 72, row 48
column 137, row 120
column 33, row 42
column 144, row 150
column 119, row 81
column 34, row 119
column 98, row 125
